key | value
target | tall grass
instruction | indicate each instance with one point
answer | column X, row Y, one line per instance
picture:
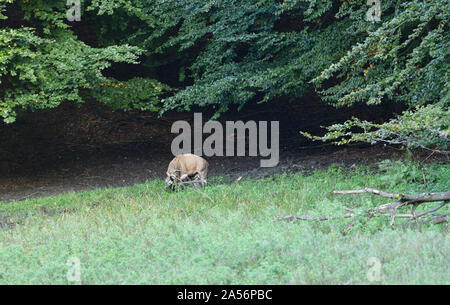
column 223, row 234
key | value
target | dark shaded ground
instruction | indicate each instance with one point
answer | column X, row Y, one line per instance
column 69, row 148
column 128, row 168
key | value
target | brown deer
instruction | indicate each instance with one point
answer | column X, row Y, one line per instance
column 186, row 166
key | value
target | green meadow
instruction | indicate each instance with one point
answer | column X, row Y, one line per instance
column 224, row 233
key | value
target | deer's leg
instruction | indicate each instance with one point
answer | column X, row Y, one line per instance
column 202, row 179
column 194, row 179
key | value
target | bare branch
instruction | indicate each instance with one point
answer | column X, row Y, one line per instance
column 423, row 197
column 413, row 210
column 382, row 210
column 424, row 178
column 432, row 210
column 321, row 218
column 368, row 190
column 389, row 206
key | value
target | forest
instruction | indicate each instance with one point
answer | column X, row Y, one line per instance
column 89, row 90
column 163, row 55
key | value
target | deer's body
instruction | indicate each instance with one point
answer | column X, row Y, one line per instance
column 186, row 166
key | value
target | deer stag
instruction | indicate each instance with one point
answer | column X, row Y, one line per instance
column 186, row 166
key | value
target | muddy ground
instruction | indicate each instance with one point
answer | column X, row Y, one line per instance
column 70, row 148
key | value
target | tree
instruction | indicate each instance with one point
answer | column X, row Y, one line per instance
column 404, row 59
column 220, row 53
column 42, row 63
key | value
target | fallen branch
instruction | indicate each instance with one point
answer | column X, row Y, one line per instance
column 402, row 200
column 321, row 218
column 431, row 210
column 423, row 197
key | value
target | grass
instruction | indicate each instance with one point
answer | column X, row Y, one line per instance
column 224, row 235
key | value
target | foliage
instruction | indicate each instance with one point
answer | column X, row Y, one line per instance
column 225, row 53
column 140, row 93
column 424, row 127
column 43, row 66
column 249, row 50
column 223, row 234
column 404, row 59
column 400, row 172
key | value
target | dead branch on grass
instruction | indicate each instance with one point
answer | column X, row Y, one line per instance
column 390, row 209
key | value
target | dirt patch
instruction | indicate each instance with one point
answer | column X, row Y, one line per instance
column 117, row 168
column 73, row 149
